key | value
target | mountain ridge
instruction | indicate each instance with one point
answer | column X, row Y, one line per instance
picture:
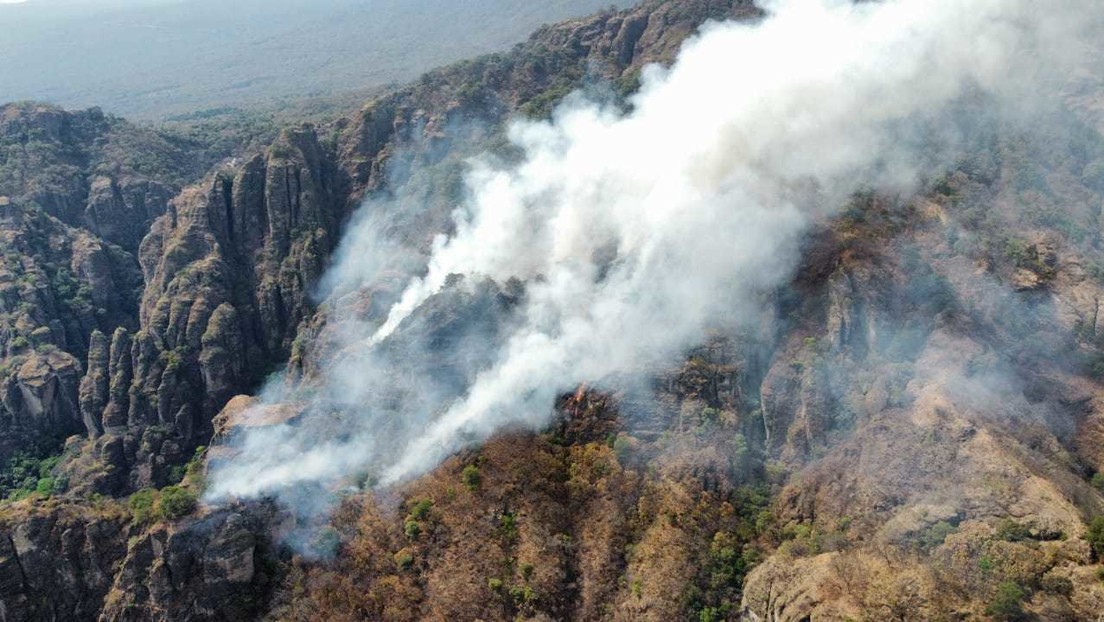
column 910, row 432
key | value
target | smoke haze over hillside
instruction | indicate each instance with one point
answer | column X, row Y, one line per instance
column 631, row 234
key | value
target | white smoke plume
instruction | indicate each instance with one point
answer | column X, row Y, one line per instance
column 633, row 233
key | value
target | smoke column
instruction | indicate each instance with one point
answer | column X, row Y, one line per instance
column 633, row 233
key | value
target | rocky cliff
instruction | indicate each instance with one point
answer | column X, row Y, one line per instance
column 227, row 271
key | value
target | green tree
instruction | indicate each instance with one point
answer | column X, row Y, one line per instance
column 1007, row 604
column 142, row 504
column 471, row 477
column 1098, row 481
column 420, row 510
column 1012, row 531
column 1095, row 536
column 45, row 486
column 176, row 502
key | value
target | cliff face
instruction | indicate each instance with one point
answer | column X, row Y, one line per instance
column 59, row 286
column 56, row 563
column 93, row 171
column 212, row 568
column 78, row 192
column 914, row 423
column 227, row 272
column 67, row 561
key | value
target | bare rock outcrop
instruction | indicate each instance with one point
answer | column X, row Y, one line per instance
column 228, row 271
column 58, row 562
column 211, row 568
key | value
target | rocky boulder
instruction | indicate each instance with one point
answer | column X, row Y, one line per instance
column 58, row 561
column 209, row 568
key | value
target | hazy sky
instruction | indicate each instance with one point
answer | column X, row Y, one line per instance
column 149, row 58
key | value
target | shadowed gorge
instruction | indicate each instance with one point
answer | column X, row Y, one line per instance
column 693, row 310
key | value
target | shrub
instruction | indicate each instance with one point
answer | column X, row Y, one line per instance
column 173, row 359
column 412, row 529
column 802, row 540
column 1007, row 604
column 193, row 471
column 541, row 106
column 1018, row 251
column 1095, row 536
column 1098, row 481
column 709, row 416
column 1093, row 175
column 176, row 502
column 470, row 477
column 18, row 494
column 1011, row 531
column 764, row 522
column 24, row 475
column 522, row 594
column 1056, row 585
column 936, row 534
column 326, row 542
column 420, row 510
column 45, row 486
column 622, row 447
column 628, row 83
column 404, row 559
column 176, row 474
column 46, row 466
column 507, row 526
column 727, row 562
column 142, row 505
